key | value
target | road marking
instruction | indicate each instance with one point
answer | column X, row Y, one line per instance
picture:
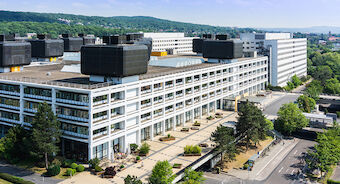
column 292, row 172
column 280, row 169
column 295, row 152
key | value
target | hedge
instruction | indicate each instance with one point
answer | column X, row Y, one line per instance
column 14, row 179
column 329, row 181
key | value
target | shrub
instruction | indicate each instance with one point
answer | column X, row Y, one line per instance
column 169, row 135
column 144, row 149
column 138, row 158
column 53, row 170
column 74, row 166
column 14, row 179
column 110, row 171
column 245, row 166
column 56, row 161
column 98, row 169
column 80, row 168
column 133, row 147
column 70, row 172
column 94, row 162
column 122, row 166
column 67, row 163
column 190, row 149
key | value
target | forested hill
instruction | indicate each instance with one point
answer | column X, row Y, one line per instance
column 119, row 22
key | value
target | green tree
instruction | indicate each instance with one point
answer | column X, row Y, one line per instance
column 132, row 180
column 290, row 119
column 296, row 81
column 224, row 140
column 332, row 86
column 45, row 132
column 192, row 177
column 162, row 173
column 305, row 103
column 251, row 123
column 314, row 89
column 16, row 145
column 323, row 73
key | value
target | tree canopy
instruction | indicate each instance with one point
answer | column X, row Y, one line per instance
column 306, row 104
column 224, row 139
column 162, row 173
column 290, row 119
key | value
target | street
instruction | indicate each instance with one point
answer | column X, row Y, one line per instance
column 286, row 171
column 274, row 107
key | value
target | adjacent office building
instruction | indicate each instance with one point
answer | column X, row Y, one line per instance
column 287, row 55
column 173, row 43
column 139, row 101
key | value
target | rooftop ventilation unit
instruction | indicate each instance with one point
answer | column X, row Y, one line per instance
column 197, row 45
column 222, row 37
column 222, row 49
column 209, row 36
column 14, row 54
column 114, row 60
column 114, row 39
column 46, row 48
column 72, row 44
column 87, row 40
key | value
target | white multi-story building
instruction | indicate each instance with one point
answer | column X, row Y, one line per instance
column 101, row 119
column 176, row 43
column 287, row 55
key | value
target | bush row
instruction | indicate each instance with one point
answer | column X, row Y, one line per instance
column 14, row 179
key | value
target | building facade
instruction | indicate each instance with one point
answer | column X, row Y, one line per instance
column 101, row 120
column 287, row 55
column 174, row 43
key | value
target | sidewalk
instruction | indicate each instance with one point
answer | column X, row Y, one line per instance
column 264, row 166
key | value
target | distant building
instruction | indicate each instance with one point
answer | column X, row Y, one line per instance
column 287, row 55
column 319, row 120
column 173, row 43
column 322, row 42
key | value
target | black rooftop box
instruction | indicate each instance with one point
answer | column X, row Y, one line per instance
column 42, row 48
column 209, row 36
column 15, row 54
column 114, row 60
column 72, row 44
column 114, row 39
column 87, row 40
column 197, row 45
column 147, row 43
column 222, row 49
column 222, row 37
column 8, row 37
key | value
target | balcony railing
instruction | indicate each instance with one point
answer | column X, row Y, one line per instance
column 146, row 105
column 100, row 134
column 9, row 93
column 146, row 118
column 146, row 91
column 72, row 102
column 100, row 102
column 101, row 118
column 75, row 134
column 10, row 106
column 38, row 97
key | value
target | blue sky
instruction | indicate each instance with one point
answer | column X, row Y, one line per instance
column 240, row 13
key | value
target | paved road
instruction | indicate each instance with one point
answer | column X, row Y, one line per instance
column 274, row 107
column 286, row 171
column 27, row 175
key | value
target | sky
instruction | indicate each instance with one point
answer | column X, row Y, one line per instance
column 238, row 13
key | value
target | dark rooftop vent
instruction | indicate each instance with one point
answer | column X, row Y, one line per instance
column 81, row 34
column 209, row 36
column 66, row 35
column 114, row 39
column 114, row 60
column 197, row 45
column 15, row 54
column 222, row 49
column 222, row 37
column 46, row 48
column 72, row 44
column 2, row 38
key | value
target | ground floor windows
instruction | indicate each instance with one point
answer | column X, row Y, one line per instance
column 100, row 151
column 188, row 116
column 145, row 133
column 197, row 113
column 204, row 110
column 169, row 124
column 179, row 120
column 157, row 129
column 74, row 150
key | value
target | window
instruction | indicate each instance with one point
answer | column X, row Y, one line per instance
column 10, row 88
column 38, row 91
column 72, row 96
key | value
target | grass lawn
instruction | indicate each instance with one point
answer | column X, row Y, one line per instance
column 243, row 156
column 4, row 181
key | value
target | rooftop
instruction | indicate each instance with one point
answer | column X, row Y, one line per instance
column 51, row 74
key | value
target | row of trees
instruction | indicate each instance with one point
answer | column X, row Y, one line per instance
column 119, row 22
column 326, row 153
column 252, row 127
column 40, row 142
column 324, row 66
column 162, row 174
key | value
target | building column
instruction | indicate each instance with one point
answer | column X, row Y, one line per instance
column 138, row 137
column 183, row 119
column 90, row 149
column 174, row 123
column 192, row 116
column 109, row 151
column 21, row 116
